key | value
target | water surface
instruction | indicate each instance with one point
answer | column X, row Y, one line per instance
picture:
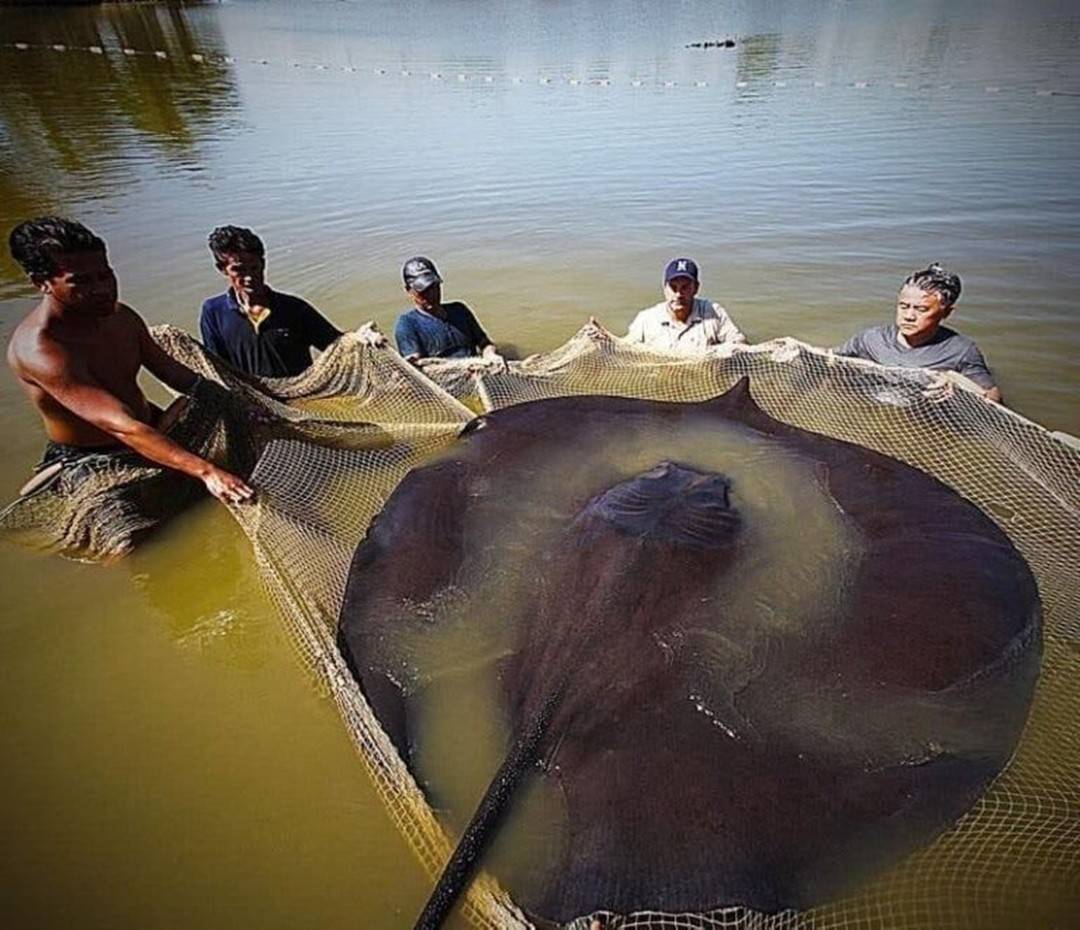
column 166, row 761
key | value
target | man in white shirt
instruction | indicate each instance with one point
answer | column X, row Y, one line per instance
column 683, row 322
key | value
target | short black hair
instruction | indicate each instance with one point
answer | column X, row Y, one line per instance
column 231, row 240
column 935, row 278
column 36, row 243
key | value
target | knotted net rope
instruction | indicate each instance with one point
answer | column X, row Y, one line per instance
column 328, row 447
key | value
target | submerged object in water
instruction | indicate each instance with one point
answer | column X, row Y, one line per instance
column 716, row 43
column 709, row 749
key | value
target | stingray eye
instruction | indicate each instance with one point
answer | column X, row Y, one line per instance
column 475, row 425
column 659, row 470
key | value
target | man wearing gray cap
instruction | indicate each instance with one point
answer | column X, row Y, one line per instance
column 433, row 329
column 682, row 322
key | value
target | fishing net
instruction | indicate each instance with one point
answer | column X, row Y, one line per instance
column 97, row 505
column 326, row 449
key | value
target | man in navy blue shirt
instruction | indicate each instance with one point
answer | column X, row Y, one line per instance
column 434, row 329
column 253, row 327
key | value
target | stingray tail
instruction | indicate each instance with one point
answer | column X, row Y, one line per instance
column 458, row 869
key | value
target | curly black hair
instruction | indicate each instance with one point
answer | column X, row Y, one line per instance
column 935, row 278
column 229, row 240
column 36, row 243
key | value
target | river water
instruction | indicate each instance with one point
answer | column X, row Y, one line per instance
column 166, row 762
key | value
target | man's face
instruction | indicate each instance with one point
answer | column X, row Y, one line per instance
column 429, row 298
column 246, row 272
column 83, row 282
column 679, row 293
column 919, row 314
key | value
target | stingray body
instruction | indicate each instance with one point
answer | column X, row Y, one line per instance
column 708, row 755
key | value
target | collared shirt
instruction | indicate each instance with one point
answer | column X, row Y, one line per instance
column 276, row 345
column 947, row 351
column 707, row 324
column 427, row 336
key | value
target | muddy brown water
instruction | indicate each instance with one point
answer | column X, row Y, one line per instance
column 166, row 762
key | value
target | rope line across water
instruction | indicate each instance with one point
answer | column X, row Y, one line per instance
column 520, row 79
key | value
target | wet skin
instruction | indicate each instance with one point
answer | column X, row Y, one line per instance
column 77, row 355
column 826, row 753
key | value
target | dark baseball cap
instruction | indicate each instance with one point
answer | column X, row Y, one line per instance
column 680, row 268
column 420, row 273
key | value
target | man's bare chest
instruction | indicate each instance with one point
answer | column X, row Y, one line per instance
column 110, row 352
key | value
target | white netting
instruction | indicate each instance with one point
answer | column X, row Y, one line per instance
column 347, row 431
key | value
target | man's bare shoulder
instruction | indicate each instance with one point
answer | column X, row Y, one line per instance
column 31, row 343
column 43, row 347
column 129, row 314
column 132, row 322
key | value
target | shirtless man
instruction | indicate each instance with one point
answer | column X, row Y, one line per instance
column 78, row 352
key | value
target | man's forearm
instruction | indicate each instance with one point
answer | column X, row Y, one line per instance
column 185, row 380
column 160, row 449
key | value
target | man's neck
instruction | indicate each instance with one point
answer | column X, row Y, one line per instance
column 436, row 310
column 684, row 316
column 922, row 341
column 259, row 298
column 52, row 312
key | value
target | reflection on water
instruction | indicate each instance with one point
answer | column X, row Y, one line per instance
column 75, row 125
column 804, row 198
column 835, row 148
column 451, row 656
column 757, row 57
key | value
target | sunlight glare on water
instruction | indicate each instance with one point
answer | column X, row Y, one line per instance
column 166, row 761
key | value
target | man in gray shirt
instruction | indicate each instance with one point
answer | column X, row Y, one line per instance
column 917, row 339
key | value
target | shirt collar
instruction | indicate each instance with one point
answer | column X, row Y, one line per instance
column 234, row 304
column 694, row 316
column 256, row 322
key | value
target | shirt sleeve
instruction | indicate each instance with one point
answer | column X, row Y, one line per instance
column 208, row 330
column 405, row 336
column 728, row 331
column 636, row 332
column 853, row 348
column 973, row 365
column 318, row 330
column 476, row 331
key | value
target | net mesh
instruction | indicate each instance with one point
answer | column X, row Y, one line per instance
column 328, row 448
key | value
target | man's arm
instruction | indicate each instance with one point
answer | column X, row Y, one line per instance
column 488, row 350
column 159, row 363
column 408, row 344
column 636, row 332
column 211, row 338
column 476, row 333
column 973, row 365
column 67, row 381
column 320, row 332
column 852, row 348
column 729, row 332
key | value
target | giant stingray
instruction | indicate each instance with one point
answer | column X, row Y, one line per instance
column 713, row 742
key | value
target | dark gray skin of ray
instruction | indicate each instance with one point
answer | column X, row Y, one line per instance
column 669, row 515
column 665, row 810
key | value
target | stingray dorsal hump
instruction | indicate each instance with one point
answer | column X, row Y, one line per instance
column 737, row 404
column 670, row 503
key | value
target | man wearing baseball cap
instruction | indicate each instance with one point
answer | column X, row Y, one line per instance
column 683, row 322
column 433, row 329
